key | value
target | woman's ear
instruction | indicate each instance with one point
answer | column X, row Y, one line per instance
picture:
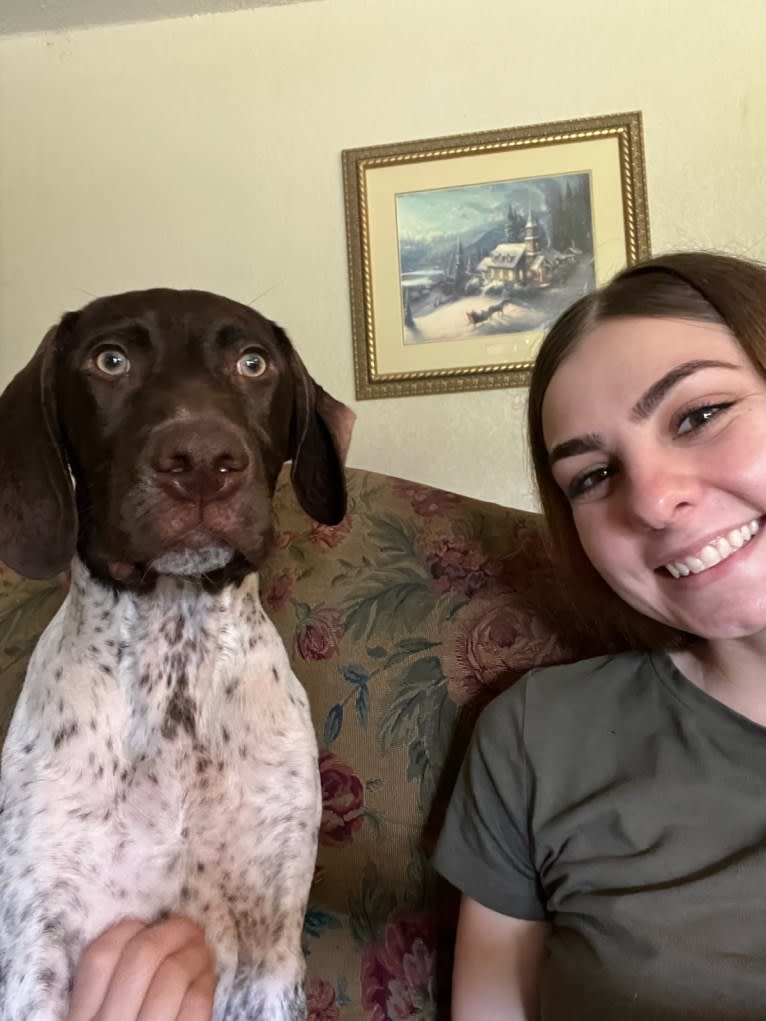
column 38, row 521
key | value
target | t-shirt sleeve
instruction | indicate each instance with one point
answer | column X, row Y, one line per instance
column 484, row 847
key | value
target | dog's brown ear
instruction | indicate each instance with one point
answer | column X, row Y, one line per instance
column 38, row 524
column 320, row 437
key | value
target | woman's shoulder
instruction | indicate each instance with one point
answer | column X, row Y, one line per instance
column 559, row 697
column 576, row 680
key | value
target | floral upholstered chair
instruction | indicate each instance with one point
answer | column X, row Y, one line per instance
column 401, row 623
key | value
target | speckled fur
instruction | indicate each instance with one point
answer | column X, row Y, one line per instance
column 161, row 758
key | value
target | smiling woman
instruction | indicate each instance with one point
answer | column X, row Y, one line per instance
column 660, row 463
column 607, row 828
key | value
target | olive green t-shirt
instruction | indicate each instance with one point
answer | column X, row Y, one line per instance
column 618, row 801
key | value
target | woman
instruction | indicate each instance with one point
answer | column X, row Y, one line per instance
column 608, row 831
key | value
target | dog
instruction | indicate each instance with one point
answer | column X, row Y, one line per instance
column 161, row 757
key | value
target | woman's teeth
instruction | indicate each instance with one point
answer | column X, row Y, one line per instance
column 714, row 552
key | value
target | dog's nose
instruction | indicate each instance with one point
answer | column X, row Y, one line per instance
column 199, row 461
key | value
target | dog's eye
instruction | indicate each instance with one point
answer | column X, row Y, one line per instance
column 252, row 364
column 112, row 363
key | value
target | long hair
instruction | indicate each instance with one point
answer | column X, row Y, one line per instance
column 697, row 286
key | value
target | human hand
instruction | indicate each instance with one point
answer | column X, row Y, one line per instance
column 139, row 972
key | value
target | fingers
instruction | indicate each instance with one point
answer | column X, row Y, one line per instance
column 135, row 972
column 200, row 996
column 180, row 982
column 155, row 957
column 96, row 967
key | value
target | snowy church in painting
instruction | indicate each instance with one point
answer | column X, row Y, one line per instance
column 524, row 263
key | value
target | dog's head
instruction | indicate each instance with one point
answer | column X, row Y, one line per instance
column 147, row 433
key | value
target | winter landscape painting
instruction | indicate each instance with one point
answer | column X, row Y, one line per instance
column 464, row 249
column 501, row 257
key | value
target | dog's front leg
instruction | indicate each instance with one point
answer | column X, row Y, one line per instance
column 257, row 980
column 38, row 953
column 256, row 996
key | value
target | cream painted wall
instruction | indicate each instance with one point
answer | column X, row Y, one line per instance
column 205, row 152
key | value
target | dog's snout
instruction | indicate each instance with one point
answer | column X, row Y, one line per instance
column 199, row 461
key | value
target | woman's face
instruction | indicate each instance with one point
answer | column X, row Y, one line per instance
column 656, row 430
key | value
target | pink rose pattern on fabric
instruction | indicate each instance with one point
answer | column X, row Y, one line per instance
column 425, row 501
column 457, row 567
column 330, row 536
column 320, row 1002
column 279, row 591
column 397, row 976
column 283, row 539
column 342, row 801
column 490, row 644
column 317, row 635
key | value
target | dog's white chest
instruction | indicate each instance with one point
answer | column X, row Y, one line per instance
column 165, row 762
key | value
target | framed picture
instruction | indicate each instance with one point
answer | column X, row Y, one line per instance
column 464, row 249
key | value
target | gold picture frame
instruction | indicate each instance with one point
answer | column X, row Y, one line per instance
column 425, row 322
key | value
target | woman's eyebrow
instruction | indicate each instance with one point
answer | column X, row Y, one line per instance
column 656, row 393
column 579, row 445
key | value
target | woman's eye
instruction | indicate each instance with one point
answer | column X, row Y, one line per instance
column 112, row 362
column 586, row 483
column 698, row 418
column 252, row 364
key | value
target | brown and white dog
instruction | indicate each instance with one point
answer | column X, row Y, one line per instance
column 161, row 757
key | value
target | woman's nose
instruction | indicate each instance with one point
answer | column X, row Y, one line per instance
column 660, row 492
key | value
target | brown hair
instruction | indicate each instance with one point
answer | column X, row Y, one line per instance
column 699, row 286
